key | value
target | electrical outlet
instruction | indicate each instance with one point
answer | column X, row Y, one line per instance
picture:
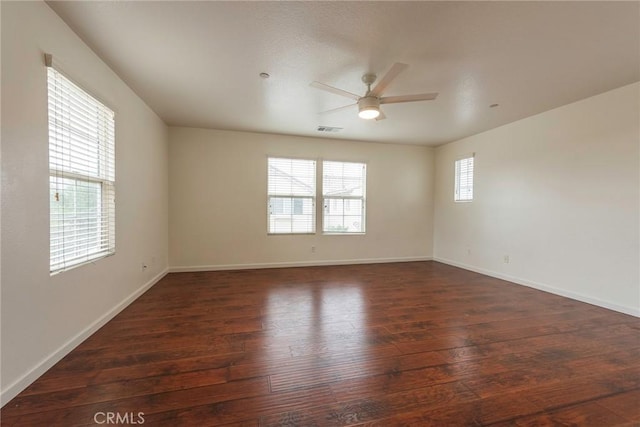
column 144, row 266
column 313, row 249
column 506, row 259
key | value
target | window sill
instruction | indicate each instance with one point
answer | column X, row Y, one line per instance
column 344, row 234
column 291, row 234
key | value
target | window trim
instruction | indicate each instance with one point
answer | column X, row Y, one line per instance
column 362, row 198
column 293, row 197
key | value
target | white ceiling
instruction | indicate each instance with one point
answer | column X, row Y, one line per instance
column 198, row 63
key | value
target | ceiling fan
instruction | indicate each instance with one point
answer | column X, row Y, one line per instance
column 369, row 104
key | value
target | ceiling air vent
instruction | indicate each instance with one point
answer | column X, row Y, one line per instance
column 328, row 129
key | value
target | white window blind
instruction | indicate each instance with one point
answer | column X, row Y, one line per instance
column 464, row 180
column 81, row 175
column 344, row 192
column 291, row 195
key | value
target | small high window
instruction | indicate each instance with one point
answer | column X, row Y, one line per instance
column 464, row 179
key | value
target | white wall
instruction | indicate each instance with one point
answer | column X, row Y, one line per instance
column 218, row 201
column 44, row 317
column 559, row 193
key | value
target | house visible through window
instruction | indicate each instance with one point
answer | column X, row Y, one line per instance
column 343, row 192
column 81, row 174
column 464, row 179
column 282, row 206
column 291, row 195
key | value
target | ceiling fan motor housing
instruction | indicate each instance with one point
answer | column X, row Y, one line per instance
column 368, row 107
column 368, row 103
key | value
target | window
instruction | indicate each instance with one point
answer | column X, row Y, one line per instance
column 81, row 175
column 343, row 192
column 291, row 195
column 464, row 179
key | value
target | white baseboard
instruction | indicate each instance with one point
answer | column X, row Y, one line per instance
column 23, row 382
column 546, row 288
column 217, row 267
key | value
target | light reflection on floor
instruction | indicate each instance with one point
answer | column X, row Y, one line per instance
column 319, row 319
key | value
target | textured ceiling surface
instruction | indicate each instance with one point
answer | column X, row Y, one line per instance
column 198, row 63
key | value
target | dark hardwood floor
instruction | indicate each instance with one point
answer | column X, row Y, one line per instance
column 416, row 344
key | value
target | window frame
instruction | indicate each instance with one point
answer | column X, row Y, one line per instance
column 469, row 178
column 328, row 199
column 78, row 239
column 294, row 198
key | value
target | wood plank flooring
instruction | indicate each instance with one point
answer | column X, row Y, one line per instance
column 405, row 344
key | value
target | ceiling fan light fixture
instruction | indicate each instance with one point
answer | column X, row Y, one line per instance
column 369, row 113
column 368, row 107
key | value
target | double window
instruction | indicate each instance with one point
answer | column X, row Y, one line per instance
column 292, row 196
column 81, row 175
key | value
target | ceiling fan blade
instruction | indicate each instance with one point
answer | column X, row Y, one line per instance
column 334, row 90
column 334, row 110
column 396, row 69
column 408, row 98
column 381, row 116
